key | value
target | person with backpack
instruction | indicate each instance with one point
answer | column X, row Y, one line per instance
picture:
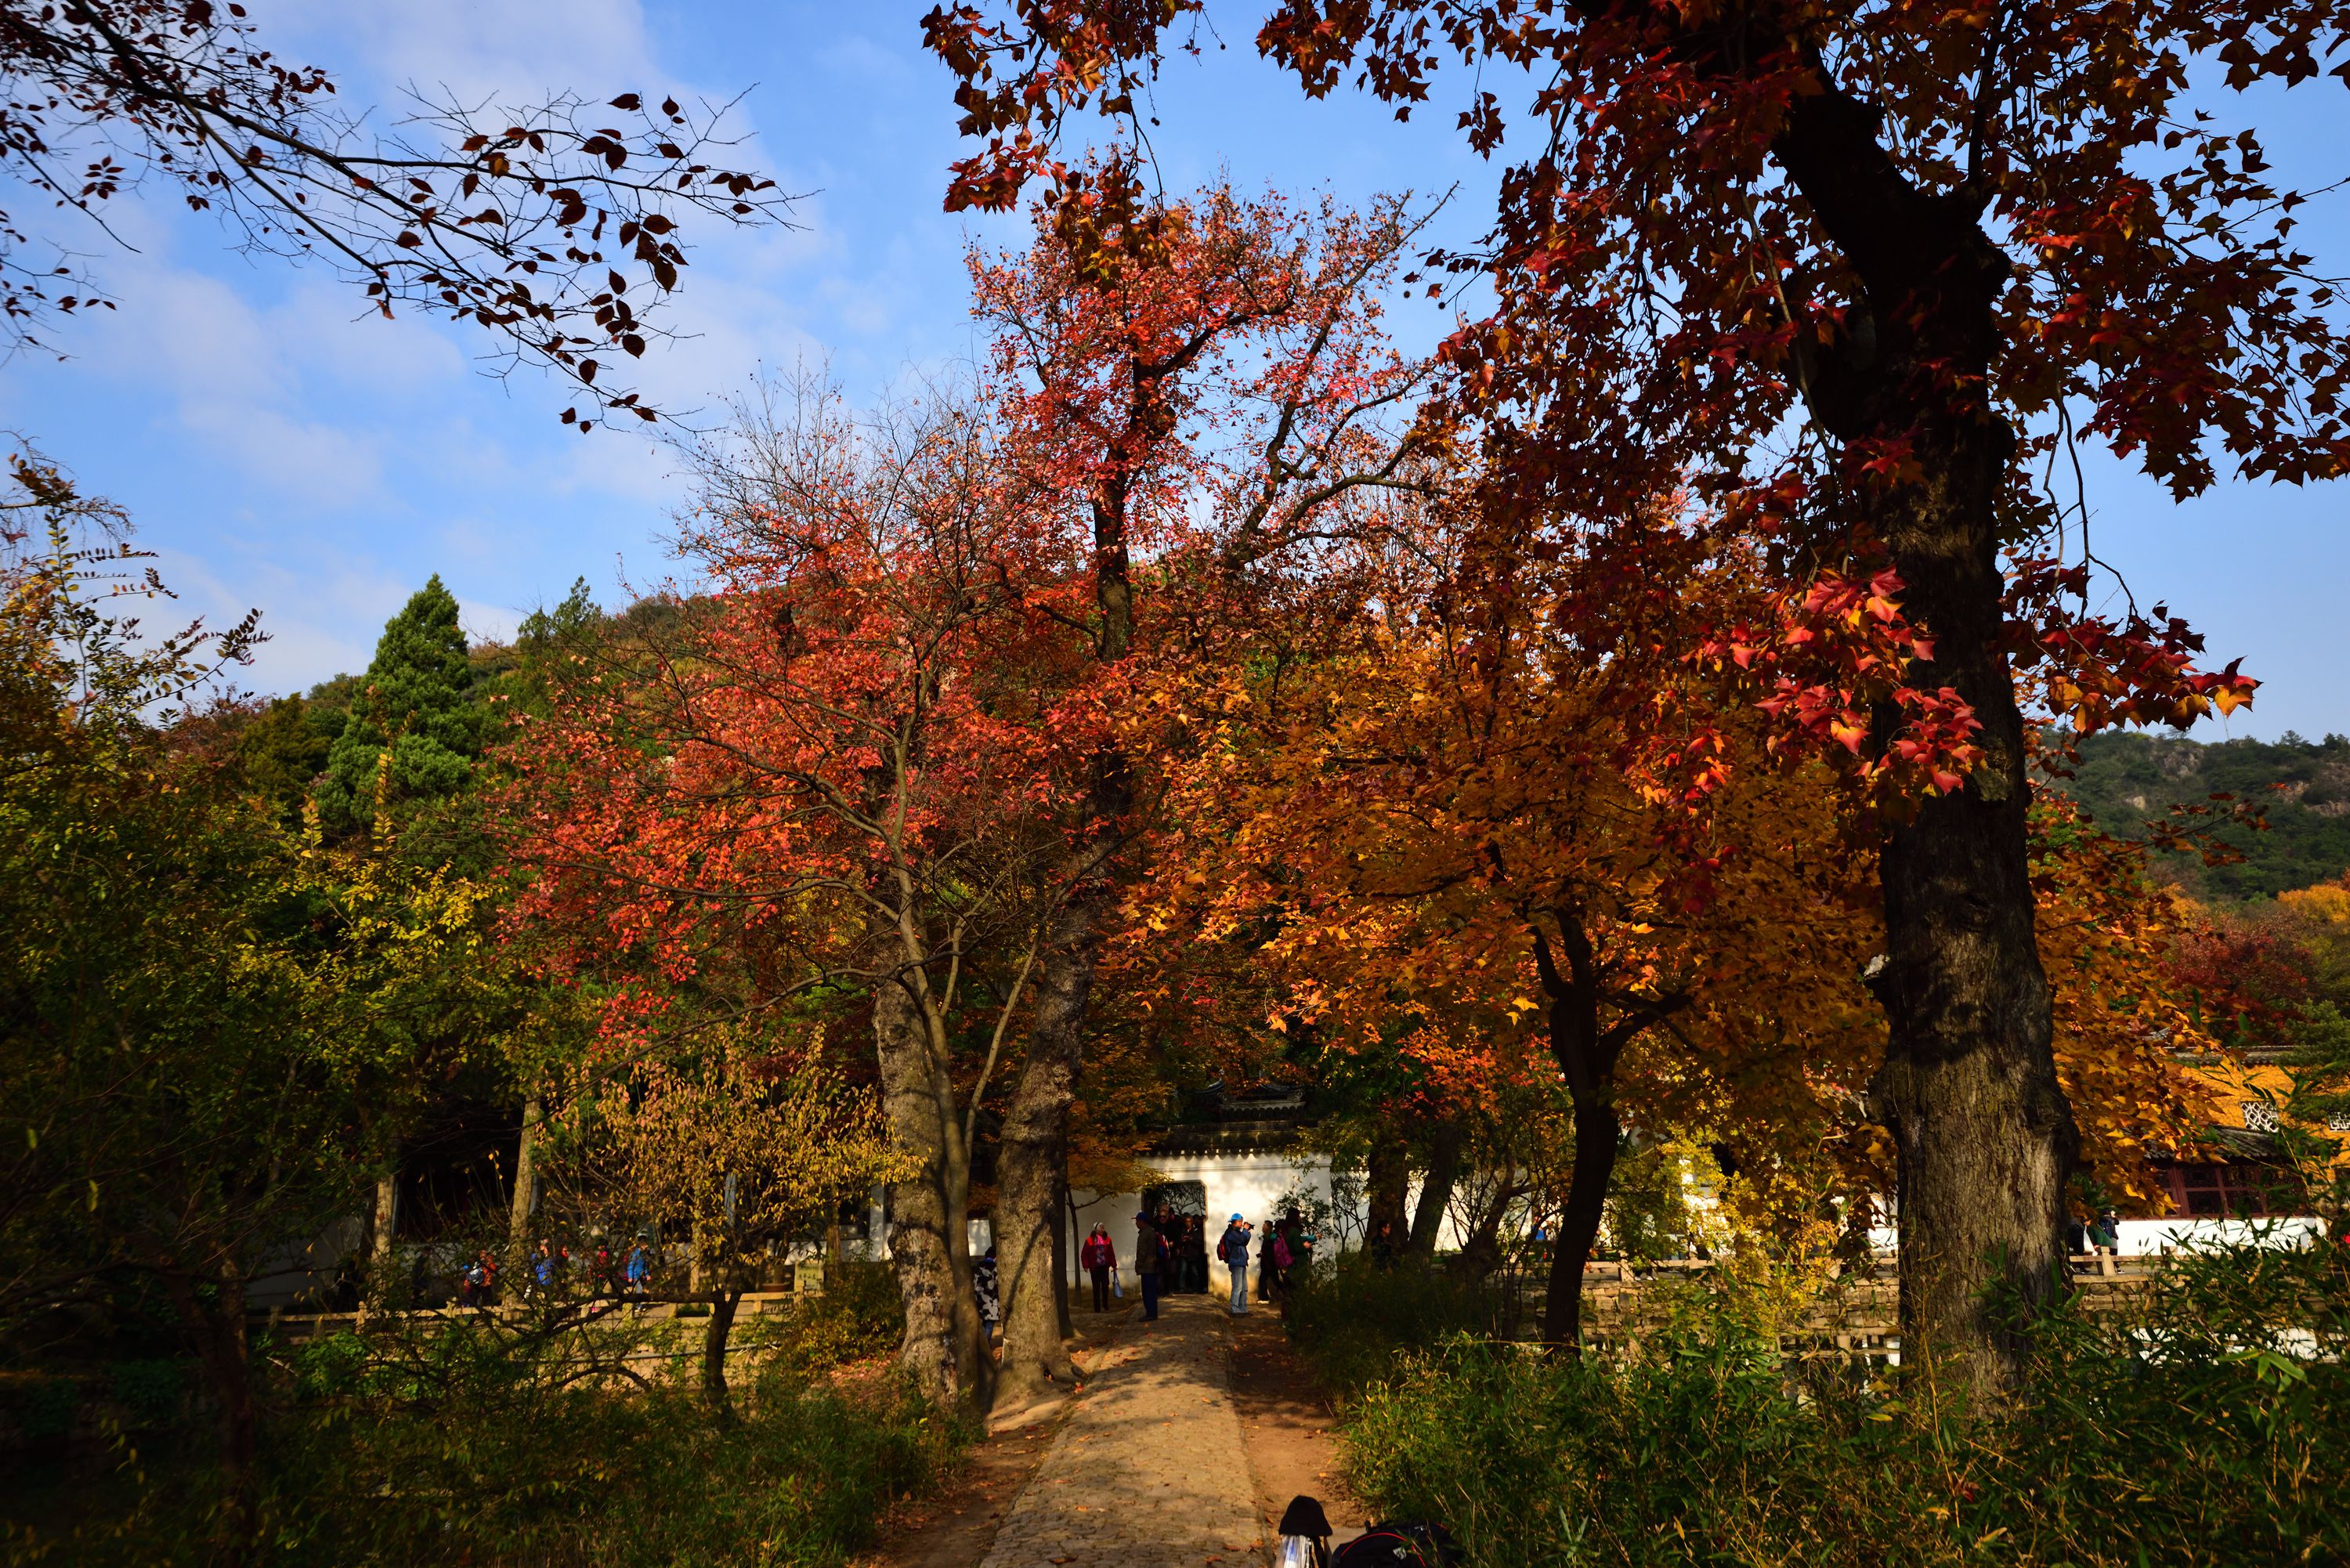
column 1280, row 1255
column 639, row 1270
column 472, row 1284
column 1148, row 1245
column 1234, row 1250
column 1098, row 1257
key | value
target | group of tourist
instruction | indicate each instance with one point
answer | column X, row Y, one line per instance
column 1281, row 1249
column 627, row 1275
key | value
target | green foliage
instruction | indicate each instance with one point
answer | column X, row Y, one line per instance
column 858, row 1315
column 2205, row 1424
column 1356, row 1322
column 2126, row 779
column 498, row 1441
column 415, row 709
column 281, row 750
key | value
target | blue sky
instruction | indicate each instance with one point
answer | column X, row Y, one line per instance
column 280, row 450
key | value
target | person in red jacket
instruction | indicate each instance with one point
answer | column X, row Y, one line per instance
column 1098, row 1257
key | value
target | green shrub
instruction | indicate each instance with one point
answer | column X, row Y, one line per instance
column 492, row 1440
column 1355, row 1321
column 586, row 1476
column 2209, row 1422
column 858, row 1314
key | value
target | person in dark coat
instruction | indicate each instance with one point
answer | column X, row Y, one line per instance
column 1234, row 1251
column 1146, row 1248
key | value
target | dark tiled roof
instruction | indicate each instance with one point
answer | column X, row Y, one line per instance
column 2237, row 1143
column 1228, row 1138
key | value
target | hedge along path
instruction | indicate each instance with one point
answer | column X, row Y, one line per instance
column 1151, row 1470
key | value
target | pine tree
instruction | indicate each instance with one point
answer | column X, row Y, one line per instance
column 415, row 708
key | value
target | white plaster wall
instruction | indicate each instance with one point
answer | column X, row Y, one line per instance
column 2134, row 1237
column 1250, row 1184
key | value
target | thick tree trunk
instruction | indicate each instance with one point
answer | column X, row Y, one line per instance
column 1033, row 1153
column 1598, row 1136
column 1034, row 1141
column 930, row 1245
column 1970, row 1090
column 525, row 1203
column 1435, row 1189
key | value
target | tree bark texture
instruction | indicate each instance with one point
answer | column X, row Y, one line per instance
column 384, row 1224
column 929, row 1244
column 1435, row 1189
column 525, row 1193
column 1033, row 1158
column 1968, row 1089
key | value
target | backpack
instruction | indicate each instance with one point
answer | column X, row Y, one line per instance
column 1280, row 1251
column 1390, row 1544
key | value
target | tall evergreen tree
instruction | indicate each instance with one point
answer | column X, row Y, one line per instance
column 415, row 709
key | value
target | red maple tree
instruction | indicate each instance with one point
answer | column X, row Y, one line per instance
column 1856, row 274
column 853, row 767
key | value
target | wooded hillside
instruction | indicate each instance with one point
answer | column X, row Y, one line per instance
column 2126, row 779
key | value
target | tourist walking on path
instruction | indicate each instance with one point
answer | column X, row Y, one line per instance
column 1148, row 1246
column 1233, row 1251
column 1098, row 1256
column 640, row 1270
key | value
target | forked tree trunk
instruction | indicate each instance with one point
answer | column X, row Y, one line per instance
column 1586, row 1056
column 1032, row 1159
column 1986, row 1139
column 1435, row 1189
column 929, row 1244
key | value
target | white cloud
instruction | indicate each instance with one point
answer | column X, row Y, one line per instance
column 474, row 48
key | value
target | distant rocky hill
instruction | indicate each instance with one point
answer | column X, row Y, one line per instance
column 2124, row 779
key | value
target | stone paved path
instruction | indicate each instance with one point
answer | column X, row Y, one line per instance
column 1149, row 1470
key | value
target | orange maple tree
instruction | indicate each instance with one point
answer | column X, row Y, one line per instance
column 1453, row 813
column 1856, row 274
column 1209, row 393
